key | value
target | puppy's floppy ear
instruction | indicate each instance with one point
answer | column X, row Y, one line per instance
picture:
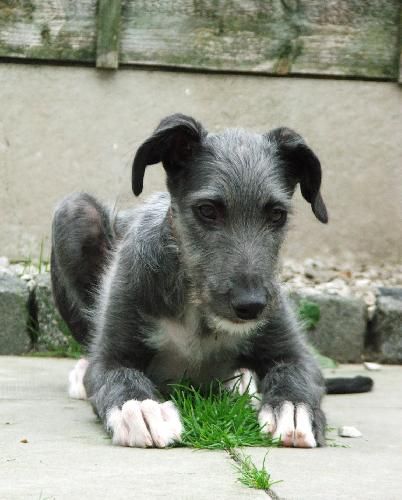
column 172, row 143
column 302, row 166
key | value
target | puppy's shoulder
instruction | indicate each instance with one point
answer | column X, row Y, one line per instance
column 151, row 214
column 149, row 240
column 145, row 220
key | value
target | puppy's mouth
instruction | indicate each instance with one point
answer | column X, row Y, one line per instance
column 234, row 326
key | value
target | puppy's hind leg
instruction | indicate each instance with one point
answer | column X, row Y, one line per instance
column 81, row 242
column 76, row 389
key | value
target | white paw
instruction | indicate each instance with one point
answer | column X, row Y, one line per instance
column 76, row 387
column 291, row 423
column 142, row 424
column 242, row 381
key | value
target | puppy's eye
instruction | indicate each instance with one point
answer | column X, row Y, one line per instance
column 208, row 211
column 278, row 216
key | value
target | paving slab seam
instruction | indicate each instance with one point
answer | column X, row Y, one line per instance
column 270, row 492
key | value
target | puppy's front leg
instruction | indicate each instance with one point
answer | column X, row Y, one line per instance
column 291, row 384
column 127, row 403
column 130, row 299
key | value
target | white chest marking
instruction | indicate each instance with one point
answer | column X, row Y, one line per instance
column 183, row 350
column 185, row 340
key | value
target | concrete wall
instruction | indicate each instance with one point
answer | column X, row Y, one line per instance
column 64, row 129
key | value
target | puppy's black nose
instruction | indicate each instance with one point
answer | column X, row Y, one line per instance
column 248, row 304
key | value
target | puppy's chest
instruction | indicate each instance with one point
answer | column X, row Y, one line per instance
column 183, row 350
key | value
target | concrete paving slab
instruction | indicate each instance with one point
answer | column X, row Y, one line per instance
column 370, row 469
column 68, row 456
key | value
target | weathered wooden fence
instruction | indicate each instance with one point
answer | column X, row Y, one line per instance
column 346, row 38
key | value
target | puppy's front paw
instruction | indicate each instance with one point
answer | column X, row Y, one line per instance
column 142, row 424
column 242, row 381
column 245, row 380
column 291, row 422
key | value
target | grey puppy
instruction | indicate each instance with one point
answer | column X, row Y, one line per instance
column 187, row 284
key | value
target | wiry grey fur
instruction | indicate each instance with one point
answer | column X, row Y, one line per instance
column 158, row 292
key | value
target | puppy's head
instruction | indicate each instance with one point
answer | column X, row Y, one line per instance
column 231, row 196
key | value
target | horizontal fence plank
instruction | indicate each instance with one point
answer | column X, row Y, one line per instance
column 61, row 30
column 347, row 38
column 353, row 38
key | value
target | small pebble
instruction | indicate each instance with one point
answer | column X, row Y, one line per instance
column 4, row 262
column 373, row 367
column 348, row 431
column 25, row 440
column 362, row 282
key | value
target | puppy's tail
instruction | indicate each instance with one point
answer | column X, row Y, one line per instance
column 349, row 385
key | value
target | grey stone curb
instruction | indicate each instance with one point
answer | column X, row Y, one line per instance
column 341, row 328
column 28, row 316
column 384, row 338
column 51, row 330
column 14, row 317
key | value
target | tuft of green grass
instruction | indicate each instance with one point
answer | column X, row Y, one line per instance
column 332, row 443
column 42, row 264
column 218, row 418
column 309, row 313
column 222, row 419
column 30, row 264
column 249, row 474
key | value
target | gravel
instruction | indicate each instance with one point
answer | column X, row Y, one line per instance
column 343, row 280
column 327, row 276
